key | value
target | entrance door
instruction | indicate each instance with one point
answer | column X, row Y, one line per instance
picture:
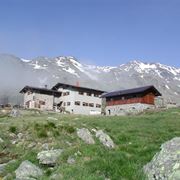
column 109, row 111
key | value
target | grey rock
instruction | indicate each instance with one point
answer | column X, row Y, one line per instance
column 32, row 145
column 2, row 167
column 1, row 140
column 45, row 146
column 20, row 135
column 8, row 177
column 49, row 157
column 71, row 160
column 175, row 175
column 56, row 176
column 52, row 118
column 28, row 171
column 85, row 135
column 12, row 135
column 105, row 139
column 15, row 113
column 165, row 164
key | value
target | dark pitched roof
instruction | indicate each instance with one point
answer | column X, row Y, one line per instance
column 133, row 91
column 40, row 90
column 58, row 85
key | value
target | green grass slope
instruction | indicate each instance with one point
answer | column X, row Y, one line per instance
column 137, row 139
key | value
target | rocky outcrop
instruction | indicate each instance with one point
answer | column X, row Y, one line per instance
column 85, row 135
column 28, row 171
column 165, row 165
column 49, row 157
column 105, row 139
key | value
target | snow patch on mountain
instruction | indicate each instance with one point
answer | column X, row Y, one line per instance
column 25, row 60
column 36, row 65
column 71, row 71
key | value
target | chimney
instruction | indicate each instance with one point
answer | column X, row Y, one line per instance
column 77, row 83
column 45, row 86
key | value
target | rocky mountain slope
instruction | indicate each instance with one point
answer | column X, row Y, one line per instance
column 17, row 72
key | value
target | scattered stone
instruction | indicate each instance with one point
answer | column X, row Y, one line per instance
column 12, row 135
column 56, row 177
column 52, row 118
column 105, row 139
column 15, row 113
column 71, row 160
column 8, row 177
column 27, row 171
column 68, row 143
column 2, row 167
column 1, row 140
column 49, row 157
column 32, row 145
column 85, row 135
column 14, row 142
column 45, row 146
column 20, row 135
column 165, row 164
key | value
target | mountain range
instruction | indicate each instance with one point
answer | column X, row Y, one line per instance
column 17, row 72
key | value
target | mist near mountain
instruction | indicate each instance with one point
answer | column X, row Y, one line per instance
column 17, row 72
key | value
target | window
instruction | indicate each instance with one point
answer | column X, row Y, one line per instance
column 96, row 95
column 34, row 98
column 89, row 94
column 77, row 103
column 64, row 104
column 28, row 93
column 85, row 104
column 68, row 103
column 81, row 93
column 98, row 105
column 66, row 93
column 91, row 104
column 42, row 102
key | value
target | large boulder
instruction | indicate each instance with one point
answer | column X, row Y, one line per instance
column 85, row 135
column 105, row 139
column 165, row 165
column 28, row 171
column 49, row 157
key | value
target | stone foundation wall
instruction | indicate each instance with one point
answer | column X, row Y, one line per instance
column 127, row 109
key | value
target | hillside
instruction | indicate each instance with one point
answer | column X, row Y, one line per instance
column 16, row 72
column 136, row 138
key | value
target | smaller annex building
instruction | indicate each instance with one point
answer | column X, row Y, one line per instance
column 130, row 100
column 39, row 98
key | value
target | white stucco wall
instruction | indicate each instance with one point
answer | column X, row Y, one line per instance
column 124, row 109
column 75, row 96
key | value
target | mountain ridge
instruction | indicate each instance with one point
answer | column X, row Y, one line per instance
column 17, row 72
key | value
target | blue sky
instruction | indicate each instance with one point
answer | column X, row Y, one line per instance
column 101, row 32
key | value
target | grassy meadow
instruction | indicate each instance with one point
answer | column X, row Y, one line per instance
column 137, row 139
